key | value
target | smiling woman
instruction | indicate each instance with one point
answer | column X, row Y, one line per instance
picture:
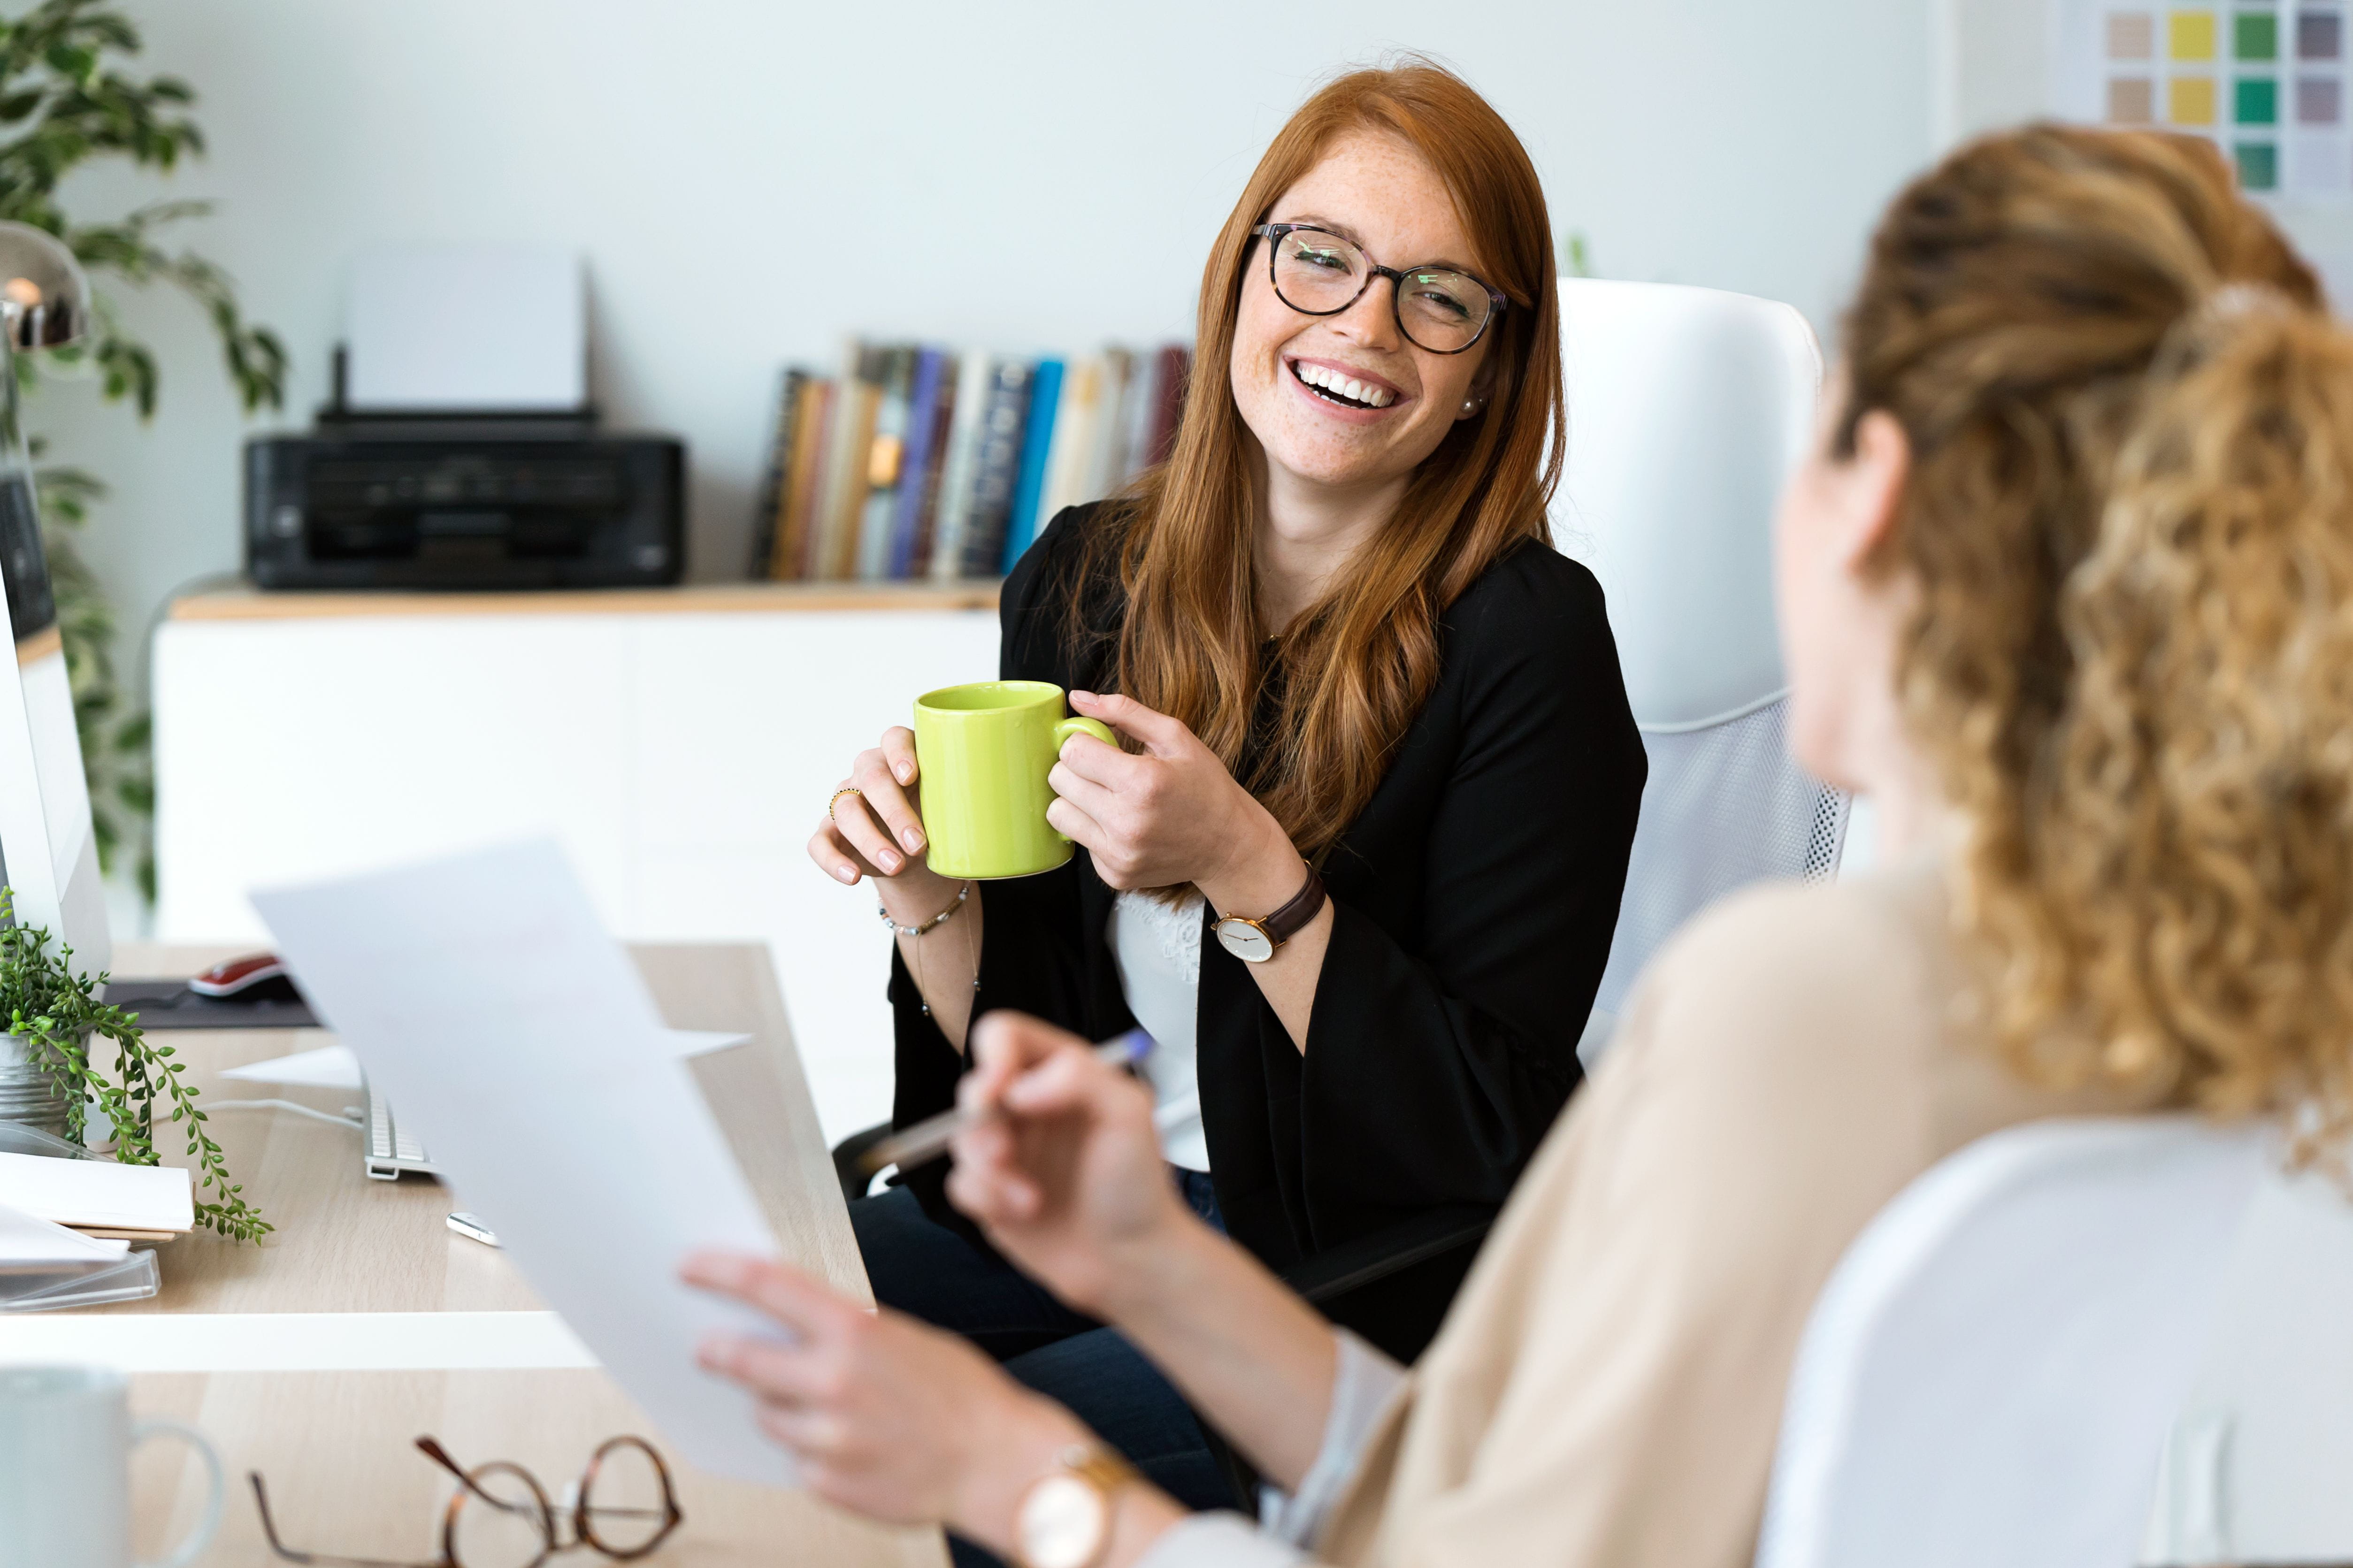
column 1356, row 863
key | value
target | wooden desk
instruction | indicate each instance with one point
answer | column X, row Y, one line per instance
column 335, row 1444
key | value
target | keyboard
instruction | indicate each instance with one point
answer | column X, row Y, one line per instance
column 391, row 1151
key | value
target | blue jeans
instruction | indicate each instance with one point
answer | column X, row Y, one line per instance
column 929, row 1271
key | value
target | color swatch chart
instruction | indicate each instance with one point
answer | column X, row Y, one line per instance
column 2264, row 79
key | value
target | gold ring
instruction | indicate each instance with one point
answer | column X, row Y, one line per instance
column 846, row 789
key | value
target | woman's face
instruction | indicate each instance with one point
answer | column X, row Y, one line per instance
column 1840, row 621
column 1377, row 191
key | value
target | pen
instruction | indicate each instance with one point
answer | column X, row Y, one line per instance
column 928, row 1139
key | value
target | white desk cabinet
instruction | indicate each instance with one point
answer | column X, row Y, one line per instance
column 679, row 744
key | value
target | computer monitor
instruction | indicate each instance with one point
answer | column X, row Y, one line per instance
column 48, row 848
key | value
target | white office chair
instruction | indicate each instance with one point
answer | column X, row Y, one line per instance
column 1989, row 1373
column 1687, row 410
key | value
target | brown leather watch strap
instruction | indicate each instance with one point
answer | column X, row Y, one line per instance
column 1291, row 919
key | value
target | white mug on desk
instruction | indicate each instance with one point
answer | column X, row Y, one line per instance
column 66, row 1437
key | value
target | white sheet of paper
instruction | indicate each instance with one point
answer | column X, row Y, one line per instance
column 474, row 328
column 98, row 1193
column 26, row 1238
column 335, row 1066
column 329, row 1066
column 521, row 1046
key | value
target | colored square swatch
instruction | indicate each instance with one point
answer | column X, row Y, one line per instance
column 2190, row 35
column 2258, row 165
column 2319, row 101
column 2132, row 101
column 2132, row 36
column 2319, row 36
column 2190, row 100
column 2321, row 165
column 2254, row 36
column 2255, row 100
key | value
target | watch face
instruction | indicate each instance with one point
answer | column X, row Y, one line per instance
column 1245, row 940
column 1062, row 1524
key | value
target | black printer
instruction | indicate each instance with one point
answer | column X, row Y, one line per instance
column 463, row 502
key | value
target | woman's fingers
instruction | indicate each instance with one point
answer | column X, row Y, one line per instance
column 887, row 800
column 834, row 856
column 899, row 751
column 1157, row 730
column 1081, row 789
column 1078, row 827
column 797, row 1301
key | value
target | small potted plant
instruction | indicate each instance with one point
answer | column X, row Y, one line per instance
column 54, row 1017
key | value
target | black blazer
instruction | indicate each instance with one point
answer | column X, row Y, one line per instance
column 1473, row 902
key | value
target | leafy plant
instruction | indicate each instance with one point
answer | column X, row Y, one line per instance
column 63, row 103
column 58, row 1014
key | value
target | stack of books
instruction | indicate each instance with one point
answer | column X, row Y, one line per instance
column 921, row 463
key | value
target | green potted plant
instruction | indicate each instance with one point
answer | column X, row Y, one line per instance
column 67, row 101
column 55, row 1020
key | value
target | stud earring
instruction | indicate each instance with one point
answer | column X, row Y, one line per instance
column 1469, row 405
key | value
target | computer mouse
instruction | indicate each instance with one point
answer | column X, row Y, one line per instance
column 255, row 977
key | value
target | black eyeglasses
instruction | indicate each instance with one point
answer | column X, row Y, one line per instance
column 1317, row 273
column 622, row 1505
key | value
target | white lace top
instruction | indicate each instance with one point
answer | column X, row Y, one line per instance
column 1158, row 951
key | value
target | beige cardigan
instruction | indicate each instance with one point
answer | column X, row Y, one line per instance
column 1608, row 1388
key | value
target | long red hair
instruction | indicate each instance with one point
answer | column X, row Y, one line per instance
column 1357, row 665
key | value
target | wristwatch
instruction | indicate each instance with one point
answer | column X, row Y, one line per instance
column 1255, row 942
column 1064, row 1521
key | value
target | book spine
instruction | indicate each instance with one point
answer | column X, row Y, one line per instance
column 1135, row 420
column 923, row 397
column 1029, row 489
column 846, row 464
column 927, row 517
column 955, row 513
column 885, row 462
column 1074, row 434
column 1107, row 462
column 802, row 482
column 998, row 467
column 768, row 515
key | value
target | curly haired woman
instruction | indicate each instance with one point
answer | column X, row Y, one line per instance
column 2068, row 590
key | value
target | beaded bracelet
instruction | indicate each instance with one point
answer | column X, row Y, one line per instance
column 934, row 923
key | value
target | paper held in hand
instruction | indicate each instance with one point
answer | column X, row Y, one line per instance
column 519, row 1044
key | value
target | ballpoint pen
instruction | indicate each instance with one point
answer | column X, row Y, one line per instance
column 928, row 1139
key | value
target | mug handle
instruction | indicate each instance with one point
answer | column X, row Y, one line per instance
column 202, row 1536
column 1095, row 727
column 1076, row 726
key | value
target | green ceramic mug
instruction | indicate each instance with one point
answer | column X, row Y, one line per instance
column 982, row 754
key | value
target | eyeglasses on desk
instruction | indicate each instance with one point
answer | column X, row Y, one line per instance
column 622, row 1505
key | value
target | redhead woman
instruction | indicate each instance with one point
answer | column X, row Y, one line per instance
column 2068, row 590
column 1366, row 707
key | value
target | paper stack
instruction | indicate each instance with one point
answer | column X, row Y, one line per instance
column 99, row 1197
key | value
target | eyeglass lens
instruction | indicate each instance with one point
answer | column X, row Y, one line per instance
column 625, row 1500
column 501, row 1519
column 1443, row 310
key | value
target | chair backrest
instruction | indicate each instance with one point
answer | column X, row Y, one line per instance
column 1687, row 410
column 1990, row 1374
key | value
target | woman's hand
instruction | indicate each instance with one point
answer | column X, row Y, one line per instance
column 879, row 832
column 888, row 1417
column 1170, row 814
column 1066, row 1177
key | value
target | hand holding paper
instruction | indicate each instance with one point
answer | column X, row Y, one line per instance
column 483, row 998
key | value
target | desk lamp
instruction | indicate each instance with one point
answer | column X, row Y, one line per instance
column 49, row 854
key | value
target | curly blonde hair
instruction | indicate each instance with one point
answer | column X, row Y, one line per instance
column 2130, row 521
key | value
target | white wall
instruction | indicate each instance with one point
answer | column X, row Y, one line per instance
column 751, row 181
